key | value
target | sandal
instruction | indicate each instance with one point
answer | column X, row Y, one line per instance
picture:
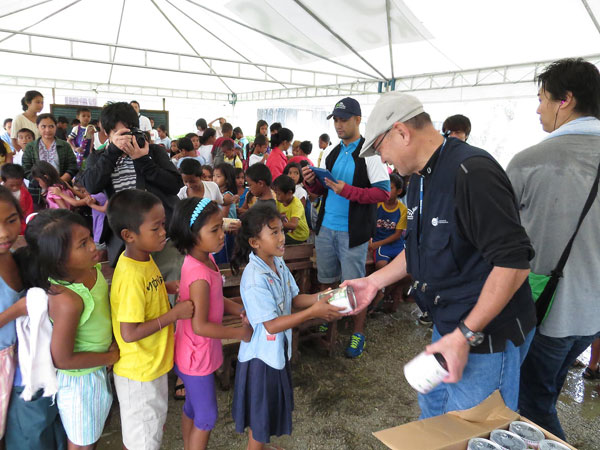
column 590, row 374
column 179, row 387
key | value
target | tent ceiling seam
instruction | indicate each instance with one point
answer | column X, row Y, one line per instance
column 24, row 9
column 114, row 52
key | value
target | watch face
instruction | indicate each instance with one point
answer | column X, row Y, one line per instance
column 476, row 339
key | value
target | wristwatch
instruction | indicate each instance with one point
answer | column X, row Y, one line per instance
column 474, row 338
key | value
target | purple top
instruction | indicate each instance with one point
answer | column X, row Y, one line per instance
column 98, row 217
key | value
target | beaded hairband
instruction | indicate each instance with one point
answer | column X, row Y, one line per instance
column 198, row 209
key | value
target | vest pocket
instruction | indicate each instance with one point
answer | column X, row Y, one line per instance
column 437, row 258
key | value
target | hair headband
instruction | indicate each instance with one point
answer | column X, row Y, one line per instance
column 198, row 209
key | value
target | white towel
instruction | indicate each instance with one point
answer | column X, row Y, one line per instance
column 34, row 333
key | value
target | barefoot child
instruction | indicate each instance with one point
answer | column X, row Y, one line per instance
column 142, row 319
column 263, row 397
column 197, row 232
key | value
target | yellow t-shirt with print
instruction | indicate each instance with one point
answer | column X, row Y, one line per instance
column 235, row 162
column 138, row 294
column 295, row 209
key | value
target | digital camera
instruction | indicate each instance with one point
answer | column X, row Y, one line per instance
column 139, row 135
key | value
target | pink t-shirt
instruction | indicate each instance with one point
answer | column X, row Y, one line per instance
column 51, row 198
column 199, row 355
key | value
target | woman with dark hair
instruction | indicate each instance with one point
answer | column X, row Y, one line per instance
column 280, row 143
column 32, row 103
column 47, row 148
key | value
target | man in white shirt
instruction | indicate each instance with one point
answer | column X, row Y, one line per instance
column 145, row 124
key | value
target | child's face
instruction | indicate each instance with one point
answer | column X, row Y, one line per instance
column 84, row 118
column 81, row 189
column 260, row 149
column 24, row 138
column 161, row 134
column 264, row 129
column 256, row 188
column 393, row 191
column 211, row 236
column 322, row 144
column 219, row 178
column 271, row 240
column 83, row 254
column 174, row 148
column 229, row 153
column 294, row 174
column 196, row 142
column 36, row 105
column 10, row 226
column 284, row 197
column 42, row 183
column 192, row 182
column 206, row 175
column 152, row 235
column 240, row 180
column 296, row 151
column 14, row 184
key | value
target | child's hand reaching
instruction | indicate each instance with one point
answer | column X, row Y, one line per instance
column 246, row 333
column 113, row 350
column 184, row 310
column 172, row 287
column 54, row 190
column 244, row 317
column 323, row 310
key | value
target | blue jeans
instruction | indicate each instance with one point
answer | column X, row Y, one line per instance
column 336, row 259
column 543, row 374
column 483, row 374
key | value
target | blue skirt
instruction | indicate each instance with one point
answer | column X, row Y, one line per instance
column 263, row 399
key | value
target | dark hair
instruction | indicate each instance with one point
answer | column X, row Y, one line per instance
column 75, row 122
column 227, row 144
column 190, row 166
column 26, row 130
column 182, row 234
column 306, row 147
column 45, row 116
column 185, row 144
column 208, row 133
column 229, row 174
column 82, row 109
column 397, row 181
column 275, row 126
column 261, row 123
column 134, row 101
column 29, row 96
column 284, row 134
column 261, row 140
column 458, row 122
column 11, row 171
column 127, row 209
column 113, row 113
column 6, row 121
column 48, row 236
column 63, row 119
column 577, row 76
column 237, row 130
column 207, row 167
column 287, row 168
column 48, row 173
column 201, row 123
column 325, row 138
column 237, row 171
column 163, row 128
column 226, row 128
column 259, row 172
column 253, row 221
column 8, row 197
column 285, row 184
column 419, row 121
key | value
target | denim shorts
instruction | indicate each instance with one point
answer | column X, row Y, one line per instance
column 336, row 260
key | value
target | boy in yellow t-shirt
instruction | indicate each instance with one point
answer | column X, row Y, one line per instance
column 142, row 318
column 291, row 210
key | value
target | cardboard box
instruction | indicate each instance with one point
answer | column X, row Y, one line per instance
column 453, row 430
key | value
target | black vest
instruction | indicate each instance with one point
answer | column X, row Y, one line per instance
column 449, row 272
column 361, row 217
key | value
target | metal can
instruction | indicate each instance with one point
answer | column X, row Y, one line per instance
column 424, row 372
column 548, row 444
column 508, row 440
column 530, row 434
column 227, row 222
column 341, row 297
column 482, row 444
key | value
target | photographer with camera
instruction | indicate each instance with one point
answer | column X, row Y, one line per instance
column 130, row 162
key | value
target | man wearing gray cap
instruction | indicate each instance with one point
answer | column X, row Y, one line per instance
column 465, row 250
column 347, row 217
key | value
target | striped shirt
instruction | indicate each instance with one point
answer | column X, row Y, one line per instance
column 123, row 176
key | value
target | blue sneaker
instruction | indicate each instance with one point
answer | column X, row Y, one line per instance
column 357, row 346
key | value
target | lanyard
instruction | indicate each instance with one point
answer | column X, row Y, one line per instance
column 421, row 190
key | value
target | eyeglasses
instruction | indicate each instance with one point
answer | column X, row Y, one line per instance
column 376, row 146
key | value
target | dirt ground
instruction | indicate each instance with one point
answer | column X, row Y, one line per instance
column 340, row 402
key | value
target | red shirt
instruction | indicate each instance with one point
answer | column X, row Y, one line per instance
column 26, row 205
column 276, row 162
column 297, row 159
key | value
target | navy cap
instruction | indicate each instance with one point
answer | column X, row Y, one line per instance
column 345, row 108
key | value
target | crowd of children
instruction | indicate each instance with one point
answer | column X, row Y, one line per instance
column 129, row 327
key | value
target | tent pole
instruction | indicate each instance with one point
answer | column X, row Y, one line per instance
column 591, row 14
column 389, row 30
column 114, row 52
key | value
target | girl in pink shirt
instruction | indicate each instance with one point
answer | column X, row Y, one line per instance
column 197, row 231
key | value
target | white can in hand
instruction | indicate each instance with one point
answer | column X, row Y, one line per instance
column 425, row 372
column 342, row 298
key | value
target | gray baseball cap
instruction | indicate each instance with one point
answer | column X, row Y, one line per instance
column 391, row 107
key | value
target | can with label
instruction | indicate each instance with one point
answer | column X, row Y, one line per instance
column 530, row 434
column 424, row 372
column 548, row 444
column 341, row 297
column 482, row 444
column 227, row 222
column 508, row 440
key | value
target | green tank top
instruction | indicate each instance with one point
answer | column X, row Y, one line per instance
column 94, row 331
